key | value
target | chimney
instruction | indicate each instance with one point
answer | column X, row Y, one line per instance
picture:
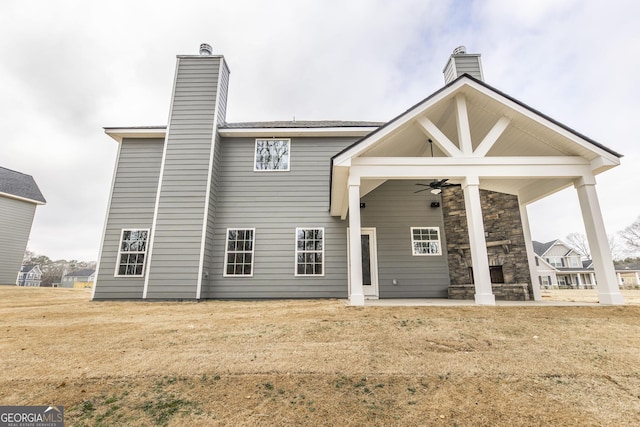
column 206, row 49
column 460, row 62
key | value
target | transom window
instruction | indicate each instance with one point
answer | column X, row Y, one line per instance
column 425, row 241
column 272, row 155
column 132, row 253
column 238, row 259
column 309, row 251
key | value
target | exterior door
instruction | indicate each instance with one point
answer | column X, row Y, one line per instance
column 369, row 262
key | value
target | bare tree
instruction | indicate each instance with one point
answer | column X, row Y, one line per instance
column 631, row 236
column 617, row 250
column 579, row 243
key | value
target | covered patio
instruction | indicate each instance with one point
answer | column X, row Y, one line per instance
column 478, row 137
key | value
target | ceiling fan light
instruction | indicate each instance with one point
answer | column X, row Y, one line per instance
column 436, row 191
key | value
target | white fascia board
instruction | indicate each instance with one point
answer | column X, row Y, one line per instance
column 468, row 161
column 417, row 170
column 120, row 133
column 543, row 121
column 22, row 199
column 399, row 122
column 291, row 132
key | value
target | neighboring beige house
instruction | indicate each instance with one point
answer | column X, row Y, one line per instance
column 628, row 275
column 82, row 279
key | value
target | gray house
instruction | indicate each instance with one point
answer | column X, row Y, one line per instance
column 19, row 196
column 30, row 276
column 431, row 204
column 83, row 278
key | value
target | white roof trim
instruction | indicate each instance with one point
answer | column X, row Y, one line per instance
column 120, row 133
column 24, row 199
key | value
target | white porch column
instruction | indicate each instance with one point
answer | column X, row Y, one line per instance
column 579, row 281
column 608, row 289
column 355, row 247
column 531, row 257
column 637, row 279
column 478, row 244
column 620, row 281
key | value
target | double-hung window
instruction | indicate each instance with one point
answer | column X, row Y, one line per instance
column 309, row 251
column 132, row 253
column 272, row 155
column 425, row 241
column 238, row 257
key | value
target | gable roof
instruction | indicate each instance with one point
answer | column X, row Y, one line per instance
column 541, row 248
column 81, row 273
column 20, row 186
column 27, row 268
column 495, row 91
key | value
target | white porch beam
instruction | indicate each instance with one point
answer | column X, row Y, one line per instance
column 462, row 122
column 531, row 257
column 439, row 138
column 478, row 245
column 356, row 297
column 518, row 169
column 492, row 136
column 608, row 289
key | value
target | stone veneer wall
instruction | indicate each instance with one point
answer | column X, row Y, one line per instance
column 505, row 244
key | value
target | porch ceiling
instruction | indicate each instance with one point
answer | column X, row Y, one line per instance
column 499, row 127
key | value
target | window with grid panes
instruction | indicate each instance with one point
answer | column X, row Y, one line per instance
column 238, row 260
column 132, row 253
column 425, row 241
column 309, row 251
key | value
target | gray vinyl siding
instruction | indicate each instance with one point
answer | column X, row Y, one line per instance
column 215, row 176
column 275, row 203
column 16, row 217
column 463, row 64
column 132, row 204
column 178, row 232
column 393, row 208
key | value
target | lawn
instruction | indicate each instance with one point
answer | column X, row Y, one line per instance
column 318, row 362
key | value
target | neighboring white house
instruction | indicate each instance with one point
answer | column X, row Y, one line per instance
column 30, row 275
column 560, row 266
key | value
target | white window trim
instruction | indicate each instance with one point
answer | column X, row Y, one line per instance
column 413, row 241
column 146, row 252
column 226, row 251
column 296, row 252
column 255, row 155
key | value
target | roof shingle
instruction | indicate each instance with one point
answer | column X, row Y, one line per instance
column 20, row 185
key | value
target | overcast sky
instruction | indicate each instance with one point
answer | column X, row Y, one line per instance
column 68, row 68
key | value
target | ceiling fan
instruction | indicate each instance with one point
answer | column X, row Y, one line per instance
column 436, row 186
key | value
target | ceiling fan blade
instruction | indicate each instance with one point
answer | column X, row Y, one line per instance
column 420, row 191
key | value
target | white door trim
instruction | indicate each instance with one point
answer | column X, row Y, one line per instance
column 370, row 292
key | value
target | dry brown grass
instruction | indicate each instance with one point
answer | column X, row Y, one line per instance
column 317, row 362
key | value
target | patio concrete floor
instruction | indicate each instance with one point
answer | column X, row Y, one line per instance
column 444, row 302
